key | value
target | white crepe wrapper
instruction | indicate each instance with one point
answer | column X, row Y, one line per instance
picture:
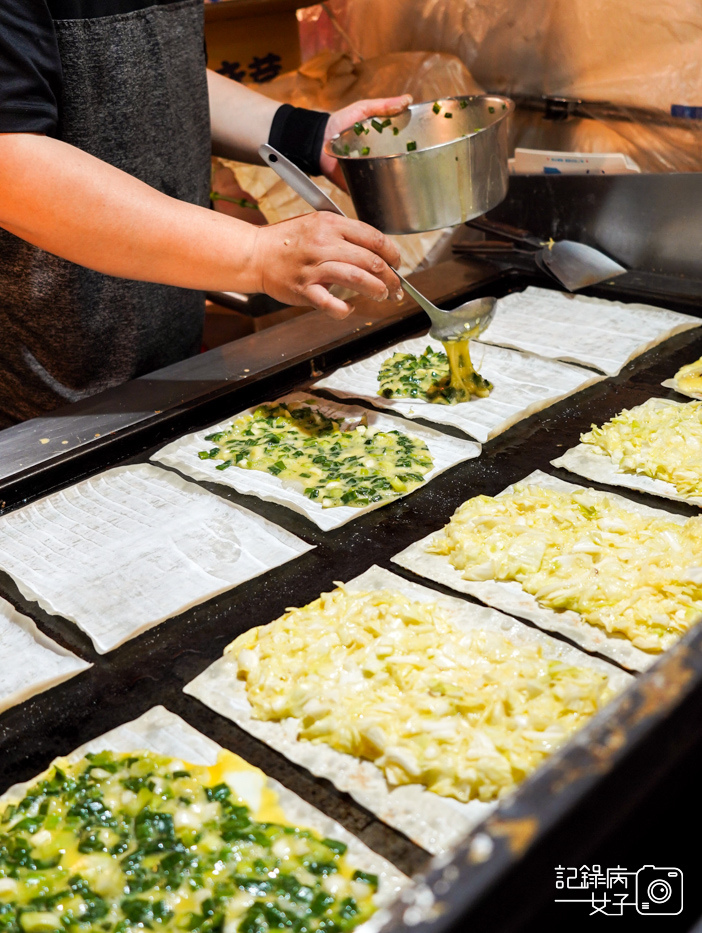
column 592, row 463
column 183, row 455
column 436, row 823
column 522, row 385
column 510, row 596
column 29, row 661
column 163, row 733
column 593, row 331
column 585, row 461
column 673, row 384
column 126, row 549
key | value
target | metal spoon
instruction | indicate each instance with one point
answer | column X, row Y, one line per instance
column 470, row 318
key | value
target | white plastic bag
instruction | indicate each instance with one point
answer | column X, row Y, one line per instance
column 643, row 53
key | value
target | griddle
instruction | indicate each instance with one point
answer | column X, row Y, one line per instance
column 630, row 755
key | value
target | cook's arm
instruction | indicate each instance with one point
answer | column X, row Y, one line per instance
column 69, row 203
column 241, row 119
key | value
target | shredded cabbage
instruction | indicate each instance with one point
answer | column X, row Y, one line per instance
column 661, row 439
column 625, row 572
column 466, row 713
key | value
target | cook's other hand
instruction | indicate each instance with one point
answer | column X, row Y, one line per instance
column 295, row 261
column 356, row 113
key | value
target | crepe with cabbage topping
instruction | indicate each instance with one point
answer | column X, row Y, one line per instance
column 435, row 822
column 687, row 380
column 509, row 594
column 655, row 447
column 628, row 573
column 393, row 680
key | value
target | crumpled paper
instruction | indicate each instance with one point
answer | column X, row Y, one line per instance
column 434, row 822
column 126, row 549
column 522, row 385
column 638, row 52
column 332, row 80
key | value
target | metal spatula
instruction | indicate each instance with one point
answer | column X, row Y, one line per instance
column 470, row 318
column 574, row 265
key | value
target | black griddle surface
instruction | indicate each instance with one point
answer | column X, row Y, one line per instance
column 154, row 667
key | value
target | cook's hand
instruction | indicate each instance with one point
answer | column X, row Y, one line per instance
column 355, row 113
column 297, row 260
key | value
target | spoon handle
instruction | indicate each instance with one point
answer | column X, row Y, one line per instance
column 298, row 181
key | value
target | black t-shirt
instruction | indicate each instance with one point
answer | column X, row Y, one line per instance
column 30, row 68
column 30, row 62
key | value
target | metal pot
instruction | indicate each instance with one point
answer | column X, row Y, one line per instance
column 436, row 165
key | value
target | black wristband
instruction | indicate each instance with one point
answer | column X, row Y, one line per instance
column 299, row 135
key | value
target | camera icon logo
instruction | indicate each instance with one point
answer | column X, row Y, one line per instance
column 659, row 891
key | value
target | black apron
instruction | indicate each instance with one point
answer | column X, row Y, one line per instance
column 134, row 95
